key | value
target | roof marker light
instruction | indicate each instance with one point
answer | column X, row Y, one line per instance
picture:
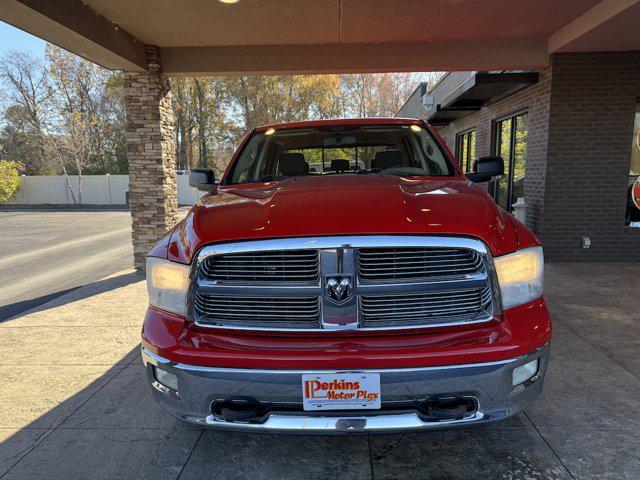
column 271, row 131
column 416, row 128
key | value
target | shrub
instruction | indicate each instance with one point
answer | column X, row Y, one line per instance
column 9, row 179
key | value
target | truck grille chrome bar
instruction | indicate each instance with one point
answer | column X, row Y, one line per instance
column 405, row 263
column 295, row 312
column 275, row 266
column 320, row 283
column 393, row 310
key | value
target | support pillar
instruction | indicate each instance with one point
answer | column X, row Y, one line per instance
column 153, row 197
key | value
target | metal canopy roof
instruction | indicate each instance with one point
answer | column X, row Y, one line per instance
column 315, row 36
column 478, row 90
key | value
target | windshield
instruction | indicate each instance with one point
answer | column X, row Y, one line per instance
column 403, row 150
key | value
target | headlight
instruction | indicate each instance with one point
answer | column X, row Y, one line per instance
column 167, row 284
column 520, row 276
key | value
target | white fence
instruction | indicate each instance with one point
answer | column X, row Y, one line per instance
column 96, row 190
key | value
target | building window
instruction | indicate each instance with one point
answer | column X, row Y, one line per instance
column 633, row 193
column 511, row 145
column 466, row 150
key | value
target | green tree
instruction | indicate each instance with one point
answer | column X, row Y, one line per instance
column 9, row 179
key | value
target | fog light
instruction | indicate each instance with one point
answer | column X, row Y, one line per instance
column 165, row 378
column 524, row 372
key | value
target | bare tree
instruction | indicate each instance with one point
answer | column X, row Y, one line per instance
column 62, row 114
column 30, row 93
column 379, row 94
column 78, row 139
column 73, row 147
column 202, row 127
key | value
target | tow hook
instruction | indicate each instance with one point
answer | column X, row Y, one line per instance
column 451, row 408
column 237, row 409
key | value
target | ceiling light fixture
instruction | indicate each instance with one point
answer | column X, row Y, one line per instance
column 228, row 2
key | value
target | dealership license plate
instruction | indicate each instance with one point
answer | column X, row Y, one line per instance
column 341, row 391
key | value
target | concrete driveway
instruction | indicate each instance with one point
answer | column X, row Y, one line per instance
column 74, row 402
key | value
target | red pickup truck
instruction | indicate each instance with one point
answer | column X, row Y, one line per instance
column 344, row 276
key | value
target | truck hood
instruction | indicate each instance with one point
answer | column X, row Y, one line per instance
column 343, row 205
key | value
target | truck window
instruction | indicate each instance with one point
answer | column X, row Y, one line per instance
column 403, row 150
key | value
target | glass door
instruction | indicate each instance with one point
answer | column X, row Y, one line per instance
column 466, row 150
column 511, row 145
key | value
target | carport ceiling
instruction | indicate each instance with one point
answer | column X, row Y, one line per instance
column 286, row 36
column 298, row 22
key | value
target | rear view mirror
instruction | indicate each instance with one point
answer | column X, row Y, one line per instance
column 344, row 141
column 202, row 179
column 486, row 168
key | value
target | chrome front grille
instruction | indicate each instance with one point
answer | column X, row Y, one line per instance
column 375, row 264
column 383, row 282
column 288, row 266
column 423, row 308
column 293, row 312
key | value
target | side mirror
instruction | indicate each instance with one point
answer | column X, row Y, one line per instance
column 202, row 179
column 486, row 168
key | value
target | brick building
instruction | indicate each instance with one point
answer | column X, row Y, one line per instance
column 569, row 138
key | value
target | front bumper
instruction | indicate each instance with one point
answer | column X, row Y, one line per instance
column 489, row 384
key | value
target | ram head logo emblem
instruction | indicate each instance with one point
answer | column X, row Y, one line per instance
column 339, row 288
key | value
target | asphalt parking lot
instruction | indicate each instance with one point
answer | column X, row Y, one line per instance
column 74, row 401
column 47, row 253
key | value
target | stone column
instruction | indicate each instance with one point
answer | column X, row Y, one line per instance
column 153, row 196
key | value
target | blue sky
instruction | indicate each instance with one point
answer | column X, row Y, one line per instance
column 12, row 38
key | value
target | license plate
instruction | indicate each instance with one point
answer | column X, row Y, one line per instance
column 341, row 391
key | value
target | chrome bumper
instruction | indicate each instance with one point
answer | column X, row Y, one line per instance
column 489, row 383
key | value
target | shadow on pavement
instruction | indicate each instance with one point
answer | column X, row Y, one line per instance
column 7, row 312
column 53, row 446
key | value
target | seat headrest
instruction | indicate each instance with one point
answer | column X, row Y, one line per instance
column 293, row 164
column 387, row 159
column 339, row 165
